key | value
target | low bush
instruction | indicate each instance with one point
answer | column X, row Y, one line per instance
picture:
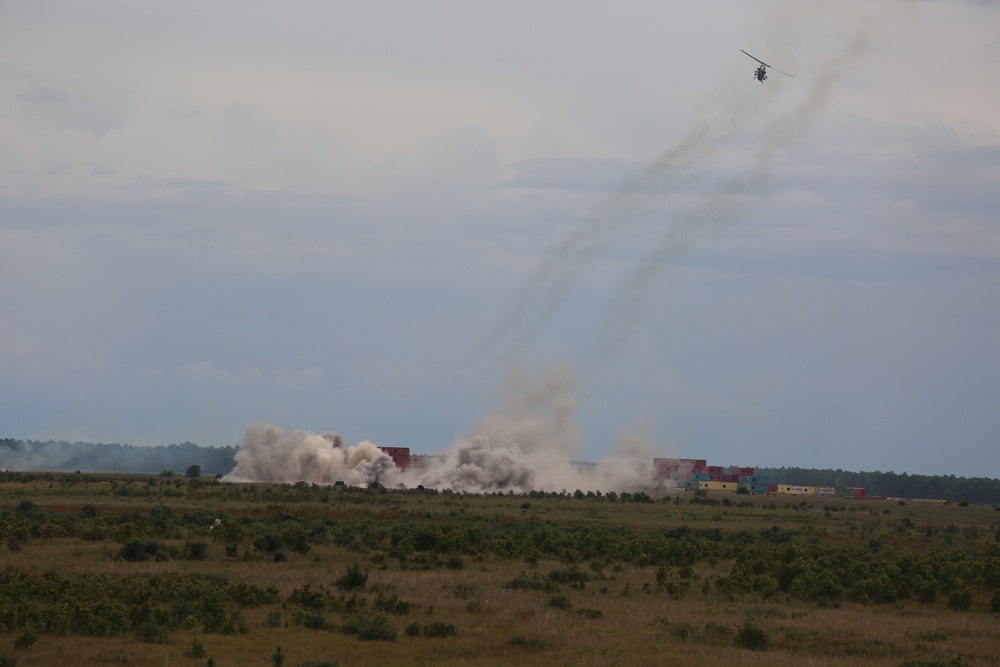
column 196, row 650
column 354, row 579
column 195, row 550
column 152, row 633
column 560, row 602
column 370, row 628
column 140, row 550
column 438, row 629
column 751, row 636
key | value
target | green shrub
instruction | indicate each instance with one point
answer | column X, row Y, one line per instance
column 927, row 593
column 315, row 622
column 995, row 602
column 27, row 639
column 152, row 633
column 413, row 629
column 960, row 599
column 560, row 602
column 573, row 575
column 393, row 605
column 439, row 629
column 370, row 628
column 196, row 650
column 136, row 550
column 378, row 628
column 354, row 579
column 195, row 550
column 751, row 636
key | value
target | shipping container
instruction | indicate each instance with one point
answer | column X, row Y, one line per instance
column 399, row 455
column 718, row 486
column 675, row 468
column 754, row 479
column 796, row 490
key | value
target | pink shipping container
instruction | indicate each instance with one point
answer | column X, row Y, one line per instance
column 400, row 456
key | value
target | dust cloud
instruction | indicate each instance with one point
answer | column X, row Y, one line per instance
column 270, row 454
column 531, row 443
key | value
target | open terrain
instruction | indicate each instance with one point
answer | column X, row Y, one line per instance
column 172, row 570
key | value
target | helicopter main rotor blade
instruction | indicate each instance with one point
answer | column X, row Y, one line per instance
column 766, row 65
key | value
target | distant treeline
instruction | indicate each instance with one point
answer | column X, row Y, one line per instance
column 35, row 455
column 942, row 487
column 23, row 455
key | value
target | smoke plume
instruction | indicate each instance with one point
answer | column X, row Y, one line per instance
column 532, row 443
column 269, row 454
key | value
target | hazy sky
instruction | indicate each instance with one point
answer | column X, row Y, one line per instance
column 354, row 217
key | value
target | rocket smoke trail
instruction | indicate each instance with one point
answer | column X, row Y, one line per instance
column 752, row 114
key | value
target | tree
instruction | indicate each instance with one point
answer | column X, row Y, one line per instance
column 193, row 471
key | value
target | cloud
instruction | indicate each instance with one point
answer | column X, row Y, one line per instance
column 45, row 96
column 281, row 379
column 570, row 174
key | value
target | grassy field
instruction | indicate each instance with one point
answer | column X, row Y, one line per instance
column 153, row 570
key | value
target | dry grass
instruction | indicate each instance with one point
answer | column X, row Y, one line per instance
column 630, row 620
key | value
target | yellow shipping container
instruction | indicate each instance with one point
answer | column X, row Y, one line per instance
column 799, row 490
column 718, row 486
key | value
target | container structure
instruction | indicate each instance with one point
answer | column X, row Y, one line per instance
column 400, row 456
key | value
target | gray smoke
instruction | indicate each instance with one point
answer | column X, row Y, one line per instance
column 269, row 454
column 531, row 443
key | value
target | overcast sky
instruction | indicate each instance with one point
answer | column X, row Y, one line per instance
column 355, row 217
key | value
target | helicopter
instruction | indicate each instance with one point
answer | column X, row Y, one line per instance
column 761, row 73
